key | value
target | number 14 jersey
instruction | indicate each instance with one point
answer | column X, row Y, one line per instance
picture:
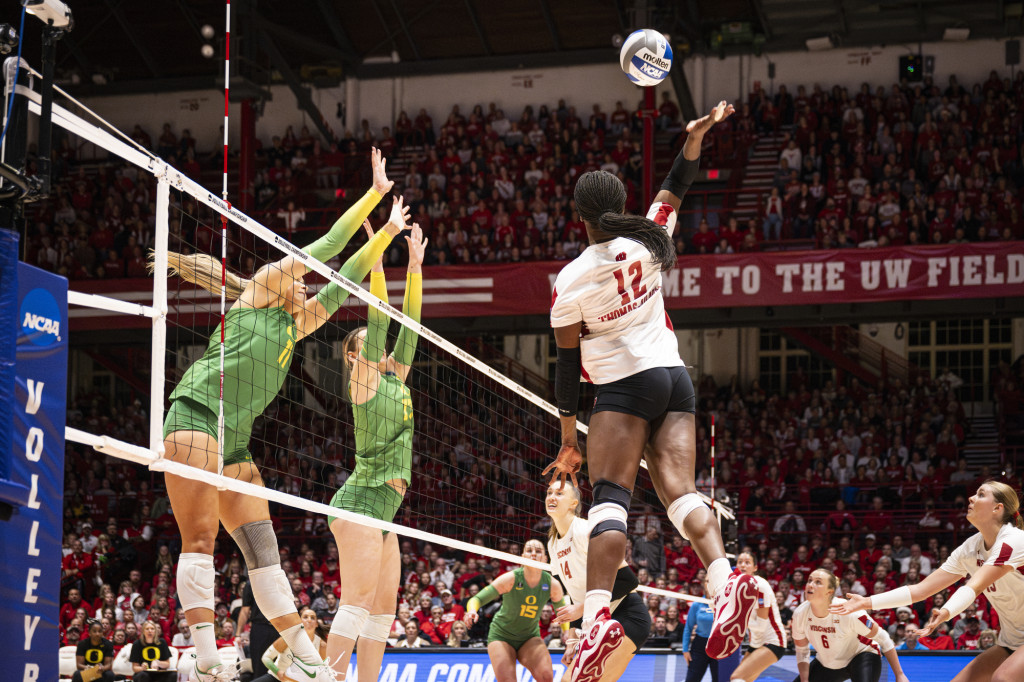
column 614, row 289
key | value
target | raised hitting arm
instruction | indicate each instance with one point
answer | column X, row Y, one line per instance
column 687, row 162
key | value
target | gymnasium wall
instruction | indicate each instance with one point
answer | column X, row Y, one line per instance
column 710, row 78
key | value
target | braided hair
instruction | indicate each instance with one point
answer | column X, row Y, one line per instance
column 601, row 201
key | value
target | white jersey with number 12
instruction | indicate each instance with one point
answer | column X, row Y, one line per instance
column 614, row 288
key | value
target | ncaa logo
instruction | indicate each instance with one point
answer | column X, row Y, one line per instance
column 40, row 318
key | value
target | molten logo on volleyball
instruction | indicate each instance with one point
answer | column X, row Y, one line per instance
column 646, row 57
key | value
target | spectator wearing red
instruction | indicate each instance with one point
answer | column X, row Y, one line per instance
column 704, row 240
column 870, row 555
column 78, row 568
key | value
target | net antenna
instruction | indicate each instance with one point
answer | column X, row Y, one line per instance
column 223, row 237
column 167, row 178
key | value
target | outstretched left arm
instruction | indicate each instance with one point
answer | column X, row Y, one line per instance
column 332, row 243
column 684, row 168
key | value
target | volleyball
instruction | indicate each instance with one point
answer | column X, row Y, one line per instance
column 645, row 57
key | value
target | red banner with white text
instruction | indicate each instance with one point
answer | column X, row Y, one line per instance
column 987, row 270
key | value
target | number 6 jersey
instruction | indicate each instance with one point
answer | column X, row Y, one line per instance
column 1006, row 595
column 614, row 289
column 836, row 639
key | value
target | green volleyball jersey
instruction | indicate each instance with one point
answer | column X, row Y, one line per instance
column 258, row 347
column 519, row 615
column 383, row 430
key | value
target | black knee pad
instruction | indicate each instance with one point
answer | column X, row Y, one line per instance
column 611, row 508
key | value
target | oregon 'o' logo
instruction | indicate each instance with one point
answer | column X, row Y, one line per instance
column 40, row 318
column 530, row 599
column 93, row 656
column 150, row 653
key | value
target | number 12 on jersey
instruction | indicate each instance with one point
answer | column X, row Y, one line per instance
column 637, row 271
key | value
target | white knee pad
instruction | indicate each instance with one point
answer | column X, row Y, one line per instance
column 195, row 581
column 681, row 508
column 605, row 517
column 272, row 592
column 349, row 621
column 377, row 627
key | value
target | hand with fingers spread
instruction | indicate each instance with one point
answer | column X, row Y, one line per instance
column 417, row 244
column 399, row 218
column 381, row 184
column 854, row 602
column 722, row 111
column 567, row 463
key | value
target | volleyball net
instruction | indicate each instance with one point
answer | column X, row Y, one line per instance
column 481, row 439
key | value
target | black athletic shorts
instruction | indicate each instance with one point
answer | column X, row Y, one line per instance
column 649, row 394
column 774, row 648
column 865, row 667
column 633, row 615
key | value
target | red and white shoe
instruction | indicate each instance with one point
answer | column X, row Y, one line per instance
column 733, row 606
column 596, row 646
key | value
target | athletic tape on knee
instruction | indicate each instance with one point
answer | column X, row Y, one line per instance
column 272, row 592
column 683, row 507
column 377, row 627
column 195, row 581
column 258, row 544
column 611, row 508
column 349, row 621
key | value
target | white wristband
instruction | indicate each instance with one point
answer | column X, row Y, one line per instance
column 892, row 599
column 803, row 654
column 960, row 600
column 885, row 642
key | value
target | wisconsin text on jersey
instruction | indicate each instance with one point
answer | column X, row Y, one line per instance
column 619, row 312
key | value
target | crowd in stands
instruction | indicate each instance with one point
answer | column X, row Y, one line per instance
column 907, row 164
column 866, row 482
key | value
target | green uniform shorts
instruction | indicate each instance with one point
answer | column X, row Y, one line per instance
column 497, row 635
column 189, row 415
column 380, row 502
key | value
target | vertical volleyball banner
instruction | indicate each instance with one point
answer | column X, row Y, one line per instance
column 30, row 542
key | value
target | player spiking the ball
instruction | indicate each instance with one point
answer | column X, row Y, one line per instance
column 610, row 324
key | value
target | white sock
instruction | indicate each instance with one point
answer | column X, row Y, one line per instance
column 205, row 639
column 736, row 679
column 593, row 603
column 718, row 574
column 300, row 644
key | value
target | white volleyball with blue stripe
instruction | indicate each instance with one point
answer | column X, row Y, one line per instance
column 646, row 57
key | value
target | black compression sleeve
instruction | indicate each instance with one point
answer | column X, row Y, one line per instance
column 567, row 381
column 682, row 175
column 625, row 582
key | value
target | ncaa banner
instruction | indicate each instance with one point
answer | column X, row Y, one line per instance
column 30, row 542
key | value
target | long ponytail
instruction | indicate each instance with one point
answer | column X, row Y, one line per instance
column 601, row 201
column 653, row 236
column 1007, row 496
column 203, row 271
